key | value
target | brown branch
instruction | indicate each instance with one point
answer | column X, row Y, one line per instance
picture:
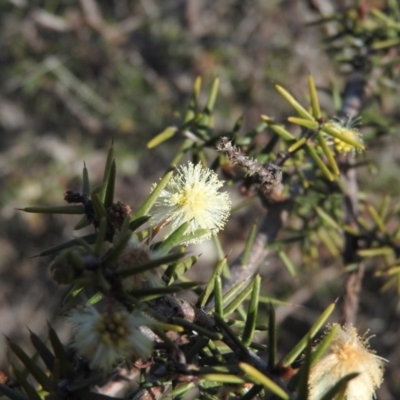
column 352, row 103
column 119, row 383
column 170, row 306
column 266, row 179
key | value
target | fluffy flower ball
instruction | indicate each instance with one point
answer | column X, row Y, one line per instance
column 193, row 196
column 134, row 254
column 347, row 353
column 348, row 132
column 105, row 339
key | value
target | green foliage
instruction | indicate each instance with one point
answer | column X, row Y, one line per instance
column 135, row 270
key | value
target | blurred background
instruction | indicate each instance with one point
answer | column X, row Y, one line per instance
column 75, row 75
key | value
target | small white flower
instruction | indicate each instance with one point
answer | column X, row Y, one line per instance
column 192, row 196
column 347, row 130
column 105, row 339
column 347, row 353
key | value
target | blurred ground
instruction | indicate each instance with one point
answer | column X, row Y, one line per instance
column 76, row 74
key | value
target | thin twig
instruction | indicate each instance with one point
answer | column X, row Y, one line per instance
column 352, row 103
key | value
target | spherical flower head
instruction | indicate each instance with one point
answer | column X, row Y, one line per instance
column 347, row 130
column 134, row 254
column 193, row 196
column 105, row 339
column 347, row 353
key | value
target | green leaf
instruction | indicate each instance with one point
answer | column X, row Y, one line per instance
column 219, row 309
column 380, row 251
column 249, row 244
column 287, row 263
column 45, row 354
column 94, row 299
column 216, row 353
column 384, row 211
column 271, row 300
column 140, row 268
column 294, row 103
column 328, row 153
column 144, row 234
column 324, row 344
column 220, row 253
column 257, row 377
column 192, row 108
column 376, row 217
column 223, row 369
column 339, row 387
column 148, row 204
column 302, row 388
column 238, row 294
column 236, row 344
column 212, row 97
column 304, row 122
column 251, row 319
column 336, row 94
column 223, row 378
column 85, row 181
column 109, row 194
column 66, row 368
column 30, row 365
column 176, row 270
column 106, row 174
column 183, row 149
column 72, row 298
column 99, row 209
column 312, row 153
column 176, row 238
column 237, row 126
column 90, row 238
column 99, row 190
column 327, row 218
column 162, row 137
column 332, row 130
column 278, row 129
column 316, row 110
column 272, row 338
column 384, row 44
column 73, row 209
column 198, row 346
column 82, row 223
column 205, row 295
column 181, row 389
column 200, row 330
column 138, row 222
column 101, row 237
column 328, row 241
column 162, row 291
column 300, row 346
column 297, row 145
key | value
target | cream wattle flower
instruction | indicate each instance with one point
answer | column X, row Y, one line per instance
column 105, row 339
column 347, row 353
column 193, row 196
